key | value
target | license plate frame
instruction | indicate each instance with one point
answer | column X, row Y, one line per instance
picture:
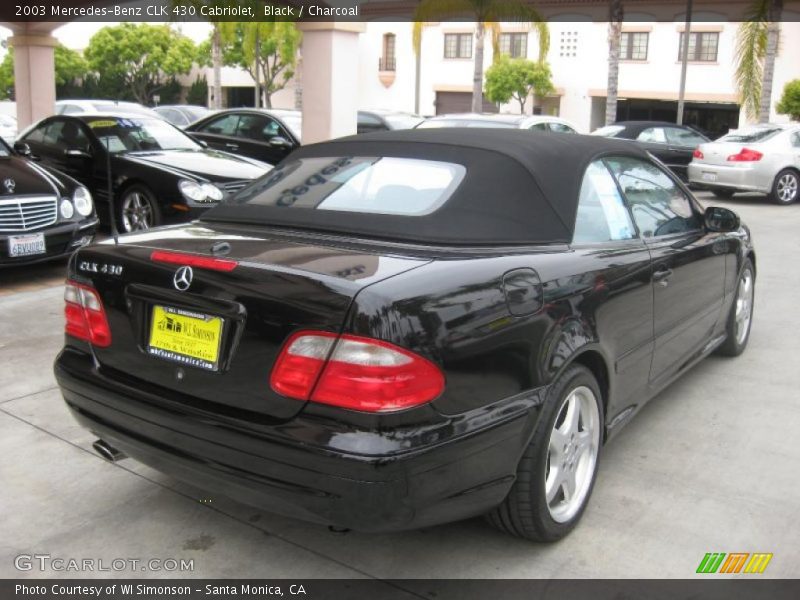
column 36, row 241
column 185, row 337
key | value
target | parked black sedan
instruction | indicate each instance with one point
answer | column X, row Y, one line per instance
column 159, row 173
column 264, row 134
column 44, row 214
column 672, row 144
column 406, row 328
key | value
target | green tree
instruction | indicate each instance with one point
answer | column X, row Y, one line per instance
column 145, row 58
column 756, row 49
column 70, row 66
column 517, row 78
column 198, row 92
column 488, row 14
column 266, row 50
column 790, row 100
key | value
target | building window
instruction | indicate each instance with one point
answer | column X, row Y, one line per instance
column 633, row 45
column 458, row 45
column 702, row 46
column 514, row 45
column 388, row 60
column 568, row 45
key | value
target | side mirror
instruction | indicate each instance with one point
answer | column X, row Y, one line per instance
column 76, row 153
column 22, row 149
column 721, row 219
column 280, row 142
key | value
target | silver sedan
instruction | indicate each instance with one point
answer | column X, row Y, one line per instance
column 761, row 158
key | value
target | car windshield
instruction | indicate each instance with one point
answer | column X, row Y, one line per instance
column 403, row 121
column 122, row 107
column 608, row 130
column 195, row 112
column 4, row 149
column 440, row 123
column 136, row 134
column 748, row 136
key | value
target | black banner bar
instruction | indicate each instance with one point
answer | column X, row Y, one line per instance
column 402, row 589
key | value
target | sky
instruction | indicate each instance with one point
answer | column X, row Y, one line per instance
column 76, row 35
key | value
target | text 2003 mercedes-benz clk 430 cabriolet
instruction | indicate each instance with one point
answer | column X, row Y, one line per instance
column 407, row 328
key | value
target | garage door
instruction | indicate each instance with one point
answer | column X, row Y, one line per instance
column 459, row 102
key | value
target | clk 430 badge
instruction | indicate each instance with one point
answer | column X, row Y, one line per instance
column 104, row 268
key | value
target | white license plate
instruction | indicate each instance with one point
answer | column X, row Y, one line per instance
column 26, row 245
column 709, row 176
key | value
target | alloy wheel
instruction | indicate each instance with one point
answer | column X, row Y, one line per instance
column 137, row 213
column 744, row 306
column 786, row 189
column 572, row 454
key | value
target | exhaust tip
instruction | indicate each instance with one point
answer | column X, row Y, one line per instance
column 107, row 451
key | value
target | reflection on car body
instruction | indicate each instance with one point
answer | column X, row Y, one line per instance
column 384, row 365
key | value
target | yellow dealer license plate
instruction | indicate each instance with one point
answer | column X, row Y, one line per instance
column 186, row 337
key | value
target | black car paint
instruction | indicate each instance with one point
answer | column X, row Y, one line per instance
column 62, row 237
column 158, row 171
column 674, row 156
column 597, row 305
column 267, row 150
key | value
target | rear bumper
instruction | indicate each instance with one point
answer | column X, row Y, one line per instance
column 306, row 468
column 744, row 178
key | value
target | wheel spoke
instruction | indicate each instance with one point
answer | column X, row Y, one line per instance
column 571, row 419
column 569, row 485
column 553, row 483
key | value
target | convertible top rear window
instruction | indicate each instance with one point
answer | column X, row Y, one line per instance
column 374, row 185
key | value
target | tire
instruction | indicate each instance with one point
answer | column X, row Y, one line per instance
column 137, row 209
column 786, row 187
column 737, row 331
column 525, row 512
column 723, row 194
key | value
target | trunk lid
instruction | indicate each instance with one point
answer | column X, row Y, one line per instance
column 717, row 153
column 279, row 286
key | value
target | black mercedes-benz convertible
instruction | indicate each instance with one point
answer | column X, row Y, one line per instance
column 407, row 328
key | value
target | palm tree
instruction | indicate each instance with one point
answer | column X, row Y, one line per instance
column 488, row 14
column 614, row 33
column 756, row 49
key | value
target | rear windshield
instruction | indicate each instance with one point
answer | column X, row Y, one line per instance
column 359, row 184
column 756, row 134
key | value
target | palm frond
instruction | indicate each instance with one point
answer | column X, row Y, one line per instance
column 438, row 10
column 751, row 48
column 513, row 10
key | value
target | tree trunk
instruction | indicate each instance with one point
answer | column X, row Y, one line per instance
column 773, row 30
column 614, row 31
column 258, row 71
column 298, row 84
column 216, row 64
column 477, row 79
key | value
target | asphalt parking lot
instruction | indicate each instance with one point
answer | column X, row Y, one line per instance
column 710, row 465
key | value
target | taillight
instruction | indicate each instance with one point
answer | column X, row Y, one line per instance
column 354, row 372
column 194, row 260
column 85, row 315
column 697, row 153
column 746, row 155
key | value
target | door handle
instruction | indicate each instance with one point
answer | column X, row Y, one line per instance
column 661, row 276
column 232, row 146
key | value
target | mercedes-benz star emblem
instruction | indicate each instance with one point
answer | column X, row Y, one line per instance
column 183, row 278
column 10, row 184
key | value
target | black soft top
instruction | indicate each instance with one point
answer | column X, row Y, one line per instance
column 520, row 187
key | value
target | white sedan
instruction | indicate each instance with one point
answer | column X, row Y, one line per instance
column 761, row 158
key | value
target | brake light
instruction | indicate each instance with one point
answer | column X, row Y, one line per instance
column 193, row 260
column 354, row 372
column 85, row 315
column 746, row 155
column 697, row 153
